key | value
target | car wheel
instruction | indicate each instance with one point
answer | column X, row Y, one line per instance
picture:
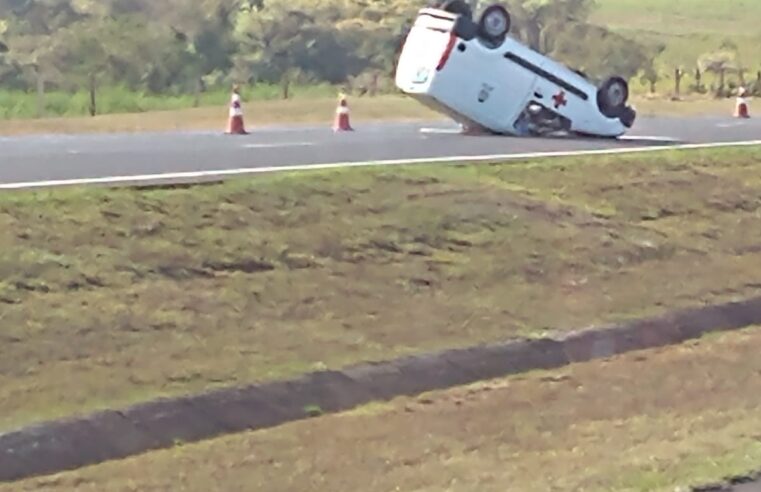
column 459, row 7
column 612, row 96
column 495, row 23
column 628, row 116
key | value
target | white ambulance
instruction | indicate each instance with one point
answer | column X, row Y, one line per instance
column 484, row 79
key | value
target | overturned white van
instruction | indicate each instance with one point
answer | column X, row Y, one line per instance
column 482, row 78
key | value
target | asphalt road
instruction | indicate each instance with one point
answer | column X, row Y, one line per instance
column 51, row 158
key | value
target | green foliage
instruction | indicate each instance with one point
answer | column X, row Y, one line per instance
column 603, row 54
column 191, row 46
column 15, row 104
column 177, row 44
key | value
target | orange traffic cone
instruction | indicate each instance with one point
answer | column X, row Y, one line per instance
column 341, row 122
column 741, row 105
column 235, row 125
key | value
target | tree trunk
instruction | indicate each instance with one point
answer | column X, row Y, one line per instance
column 678, row 82
column 721, row 83
column 93, row 108
column 40, row 95
column 197, row 93
column 286, row 85
column 534, row 35
column 374, row 85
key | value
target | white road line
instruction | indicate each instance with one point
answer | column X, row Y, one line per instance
column 447, row 131
column 644, row 138
column 396, row 162
column 730, row 125
column 282, row 144
column 625, row 138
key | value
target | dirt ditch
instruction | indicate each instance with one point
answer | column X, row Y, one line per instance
column 68, row 444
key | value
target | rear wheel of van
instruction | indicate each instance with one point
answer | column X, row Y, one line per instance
column 459, row 7
column 495, row 23
column 612, row 97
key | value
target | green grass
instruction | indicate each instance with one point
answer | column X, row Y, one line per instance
column 689, row 28
column 317, row 110
column 110, row 297
column 679, row 17
column 113, row 100
column 652, row 421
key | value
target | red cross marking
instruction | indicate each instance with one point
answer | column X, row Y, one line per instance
column 560, row 99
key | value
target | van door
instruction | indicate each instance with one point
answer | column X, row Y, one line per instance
column 488, row 87
column 517, row 81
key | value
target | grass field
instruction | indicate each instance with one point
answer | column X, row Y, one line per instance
column 262, row 112
column 18, row 105
column 649, row 421
column 679, row 17
column 319, row 110
column 688, row 28
column 110, row 297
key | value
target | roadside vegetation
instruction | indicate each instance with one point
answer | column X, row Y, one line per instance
column 113, row 296
column 15, row 105
column 652, row 421
column 687, row 28
column 74, row 58
column 297, row 110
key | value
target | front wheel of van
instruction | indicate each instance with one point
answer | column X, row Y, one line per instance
column 612, row 96
column 495, row 23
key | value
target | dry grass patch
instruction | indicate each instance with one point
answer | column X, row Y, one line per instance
column 648, row 421
column 109, row 297
column 278, row 112
column 301, row 111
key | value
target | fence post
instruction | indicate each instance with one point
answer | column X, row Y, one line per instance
column 40, row 94
column 678, row 73
column 93, row 108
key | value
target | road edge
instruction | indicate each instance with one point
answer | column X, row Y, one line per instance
column 737, row 483
column 189, row 177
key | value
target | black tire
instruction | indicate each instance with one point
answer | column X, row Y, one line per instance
column 628, row 116
column 495, row 23
column 458, row 7
column 612, row 97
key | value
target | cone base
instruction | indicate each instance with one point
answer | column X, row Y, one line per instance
column 342, row 124
column 235, row 126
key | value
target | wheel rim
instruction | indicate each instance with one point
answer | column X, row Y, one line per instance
column 495, row 24
column 616, row 95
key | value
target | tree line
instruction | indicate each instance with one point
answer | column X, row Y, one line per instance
column 188, row 46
